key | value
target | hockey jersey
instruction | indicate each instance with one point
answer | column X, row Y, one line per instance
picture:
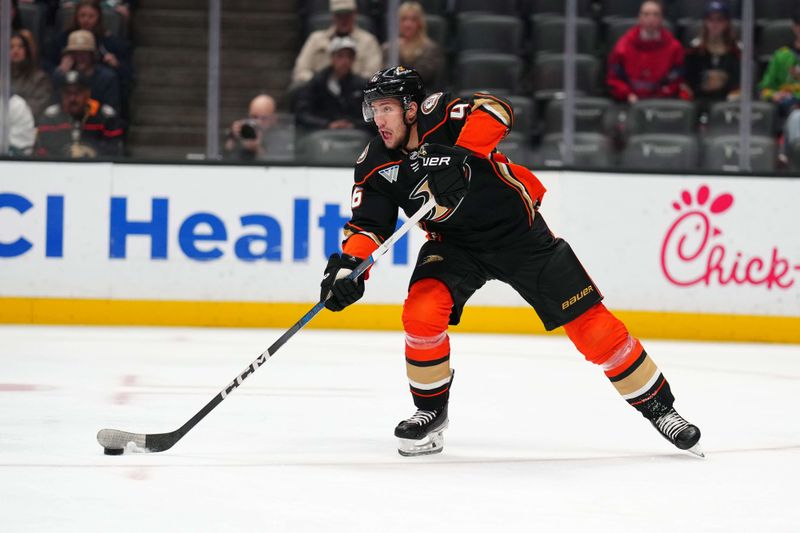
column 497, row 211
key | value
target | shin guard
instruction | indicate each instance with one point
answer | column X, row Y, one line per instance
column 604, row 340
column 425, row 317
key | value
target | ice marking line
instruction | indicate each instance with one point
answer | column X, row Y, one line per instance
column 24, row 387
column 124, row 396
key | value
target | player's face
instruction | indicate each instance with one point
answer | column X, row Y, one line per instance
column 389, row 121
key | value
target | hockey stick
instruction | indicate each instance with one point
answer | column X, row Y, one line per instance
column 115, row 441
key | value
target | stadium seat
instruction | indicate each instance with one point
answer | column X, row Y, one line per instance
column 765, row 10
column 548, row 75
column 556, row 7
column 332, row 147
column 661, row 116
column 589, row 150
column 516, row 148
column 33, row 19
column 524, row 115
column 592, row 115
column 498, row 73
column 773, row 35
column 660, row 151
column 612, row 9
column 495, row 7
column 722, row 153
column 437, row 30
column 548, row 34
column 490, row 33
column 723, row 119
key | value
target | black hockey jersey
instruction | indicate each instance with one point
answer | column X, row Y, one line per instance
column 497, row 211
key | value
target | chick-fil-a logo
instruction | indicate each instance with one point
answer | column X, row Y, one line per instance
column 692, row 252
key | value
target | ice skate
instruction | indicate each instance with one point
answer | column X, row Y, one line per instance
column 679, row 432
column 423, row 433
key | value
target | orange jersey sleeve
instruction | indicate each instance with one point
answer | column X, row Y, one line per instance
column 488, row 122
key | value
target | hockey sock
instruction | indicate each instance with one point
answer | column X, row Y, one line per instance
column 604, row 340
column 425, row 317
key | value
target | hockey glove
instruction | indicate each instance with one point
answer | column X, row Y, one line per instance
column 337, row 291
column 448, row 176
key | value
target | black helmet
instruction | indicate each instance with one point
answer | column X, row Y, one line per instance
column 399, row 82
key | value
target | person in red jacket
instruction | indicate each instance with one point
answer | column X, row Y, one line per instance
column 647, row 61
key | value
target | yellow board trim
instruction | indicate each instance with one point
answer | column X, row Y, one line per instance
column 646, row 324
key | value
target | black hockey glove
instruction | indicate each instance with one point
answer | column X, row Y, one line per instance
column 448, row 176
column 343, row 292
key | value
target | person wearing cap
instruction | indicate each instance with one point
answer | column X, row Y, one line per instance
column 79, row 127
column 713, row 62
column 80, row 54
column 315, row 55
column 781, row 81
column 647, row 61
column 332, row 99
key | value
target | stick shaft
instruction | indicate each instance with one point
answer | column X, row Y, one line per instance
column 164, row 441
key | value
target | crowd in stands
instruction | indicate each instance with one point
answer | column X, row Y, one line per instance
column 71, row 77
column 657, row 81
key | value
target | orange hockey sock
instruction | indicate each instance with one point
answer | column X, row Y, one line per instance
column 426, row 314
column 604, row 340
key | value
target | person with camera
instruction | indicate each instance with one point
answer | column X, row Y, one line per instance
column 256, row 138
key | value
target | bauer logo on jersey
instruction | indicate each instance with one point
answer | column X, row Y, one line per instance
column 430, row 103
column 390, row 173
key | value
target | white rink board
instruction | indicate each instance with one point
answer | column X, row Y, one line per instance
column 732, row 247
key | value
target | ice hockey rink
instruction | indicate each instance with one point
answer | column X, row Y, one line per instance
column 538, row 438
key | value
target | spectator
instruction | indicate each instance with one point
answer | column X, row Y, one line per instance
column 417, row 50
column 714, row 59
column 314, row 56
column 113, row 52
column 332, row 99
column 781, row 81
column 647, row 61
column 21, row 129
column 81, row 55
column 259, row 137
column 79, row 127
column 122, row 7
column 27, row 79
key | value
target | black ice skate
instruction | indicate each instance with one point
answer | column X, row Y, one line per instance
column 679, row 432
column 423, row 433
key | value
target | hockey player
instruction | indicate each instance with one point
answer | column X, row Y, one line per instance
column 486, row 226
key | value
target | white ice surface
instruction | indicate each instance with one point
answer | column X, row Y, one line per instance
column 538, row 439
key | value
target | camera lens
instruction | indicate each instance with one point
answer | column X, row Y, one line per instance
column 248, row 131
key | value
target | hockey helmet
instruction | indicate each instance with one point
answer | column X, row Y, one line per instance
column 404, row 84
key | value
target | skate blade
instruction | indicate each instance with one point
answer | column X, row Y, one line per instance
column 429, row 445
column 697, row 450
